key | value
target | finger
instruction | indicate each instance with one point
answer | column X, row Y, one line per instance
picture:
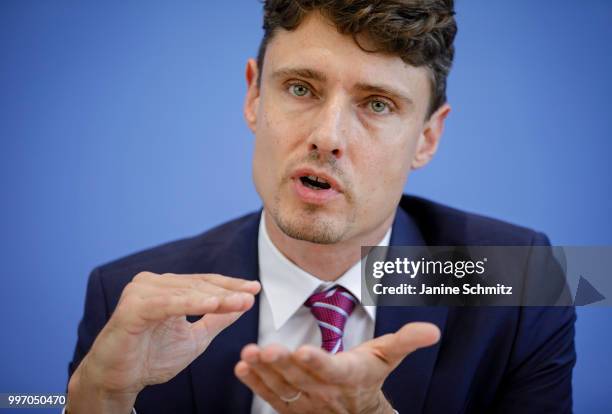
column 145, row 290
column 224, row 282
column 232, row 283
column 280, row 360
column 228, row 300
column 254, row 356
column 210, row 325
column 149, row 284
column 201, row 282
column 158, row 308
column 252, row 380
column 273, row 380
column 393, row 348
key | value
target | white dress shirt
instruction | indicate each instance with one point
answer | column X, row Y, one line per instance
column 283, row 318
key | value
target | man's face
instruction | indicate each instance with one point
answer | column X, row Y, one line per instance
column 337, row 130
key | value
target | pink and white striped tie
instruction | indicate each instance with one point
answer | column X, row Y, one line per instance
column 331, row 308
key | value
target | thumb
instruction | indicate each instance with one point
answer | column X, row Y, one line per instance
column 393, row 348
column 210, row 325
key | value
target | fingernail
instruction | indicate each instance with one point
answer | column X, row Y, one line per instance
column 252, row 357
column 252, row 286
column 271, row 358
column 242, row 370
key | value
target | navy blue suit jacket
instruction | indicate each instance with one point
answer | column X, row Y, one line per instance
column 489, row 360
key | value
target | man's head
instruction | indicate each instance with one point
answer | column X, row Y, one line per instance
column 346, row 98
column 420, row 32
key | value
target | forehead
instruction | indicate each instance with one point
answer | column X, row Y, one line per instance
column 316, row 44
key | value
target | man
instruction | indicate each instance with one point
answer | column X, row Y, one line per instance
column 345, row 99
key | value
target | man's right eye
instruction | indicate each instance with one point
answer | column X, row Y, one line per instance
column 298, row 89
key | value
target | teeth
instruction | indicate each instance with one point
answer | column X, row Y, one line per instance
column 317, row 179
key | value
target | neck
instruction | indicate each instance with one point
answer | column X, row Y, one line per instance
column 325, row 261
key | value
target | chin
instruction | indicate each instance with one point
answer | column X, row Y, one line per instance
column 311, row 224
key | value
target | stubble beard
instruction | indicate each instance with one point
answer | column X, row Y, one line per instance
column 305, row 223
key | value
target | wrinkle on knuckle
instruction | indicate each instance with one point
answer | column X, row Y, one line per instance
column 189, row 302
column 158, row 301
column 142, row 276
column 181, row 292
column 206, row 277
column 199, row 284
column 131, row 292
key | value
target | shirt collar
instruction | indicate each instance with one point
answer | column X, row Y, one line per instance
column 287, row 286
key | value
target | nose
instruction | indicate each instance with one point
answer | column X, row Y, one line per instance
column 328, row 138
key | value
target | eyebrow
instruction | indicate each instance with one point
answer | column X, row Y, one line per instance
column 300, row 72
column 384, row 90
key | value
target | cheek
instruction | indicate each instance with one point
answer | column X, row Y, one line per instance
column 270, row 151
column 264, row 158
column 388, row 175
column 382, row 173
column 386, row 167
column 384, row 184
column 277, row 128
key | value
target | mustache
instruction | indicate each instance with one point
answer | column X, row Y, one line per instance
column 327, row 163
column 323, row 162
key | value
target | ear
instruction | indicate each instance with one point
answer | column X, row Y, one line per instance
column 252, row 96
column 430, row 137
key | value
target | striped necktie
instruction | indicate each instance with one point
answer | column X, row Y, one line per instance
column 331, row 308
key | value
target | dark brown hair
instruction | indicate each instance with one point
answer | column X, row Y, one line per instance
column 420, row 32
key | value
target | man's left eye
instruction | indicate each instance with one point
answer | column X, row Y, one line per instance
column 378, row 106
column 299, row 90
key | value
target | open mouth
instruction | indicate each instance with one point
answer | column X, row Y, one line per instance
column 314, row 182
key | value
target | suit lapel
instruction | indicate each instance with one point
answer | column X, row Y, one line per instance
column 215, row 387
column 408, row 384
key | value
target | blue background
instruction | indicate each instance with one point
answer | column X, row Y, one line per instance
column 121, row 128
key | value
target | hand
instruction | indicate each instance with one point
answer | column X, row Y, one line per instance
column 148, row 339
column 347, row 382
